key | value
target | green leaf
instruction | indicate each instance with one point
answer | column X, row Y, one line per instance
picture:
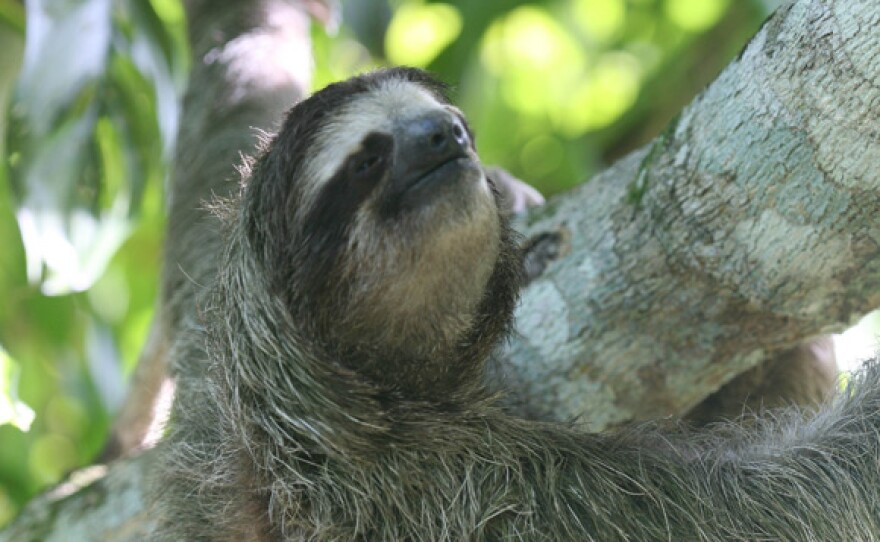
column 418, row 33
column 12, row 410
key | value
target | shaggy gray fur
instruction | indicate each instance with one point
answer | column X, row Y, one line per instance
column 275, row 436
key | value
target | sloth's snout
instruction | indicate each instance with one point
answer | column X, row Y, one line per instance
column 434, row 138
column 430, row 151
column 442, row 135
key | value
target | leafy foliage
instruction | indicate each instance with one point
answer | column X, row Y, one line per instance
column 90, row 127
column 86, row 132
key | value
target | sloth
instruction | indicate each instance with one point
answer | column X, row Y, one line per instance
column 331, row 386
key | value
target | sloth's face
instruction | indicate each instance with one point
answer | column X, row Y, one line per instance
column 391, row 230
column 423, row 239
column 395, row 156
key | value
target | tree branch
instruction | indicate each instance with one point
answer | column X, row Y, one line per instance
column 747, row 227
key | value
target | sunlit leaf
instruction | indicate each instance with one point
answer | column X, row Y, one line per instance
column 603, row 20
column 608, row 91
column 12, row 410
column 528, row 39
column 419, row 32
column 110, row 296
column 535, row 57
column 170, row 11
column 695, row 15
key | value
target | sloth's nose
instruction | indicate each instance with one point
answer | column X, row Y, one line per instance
column 438, row 135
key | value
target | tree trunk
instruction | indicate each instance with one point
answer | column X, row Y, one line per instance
column 746, row 227
column 251, row 62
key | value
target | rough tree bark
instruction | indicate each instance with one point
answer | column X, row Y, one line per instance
column 747, row 227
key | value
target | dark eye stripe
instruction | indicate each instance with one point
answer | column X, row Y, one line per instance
column 339, row 199
column 362, row 166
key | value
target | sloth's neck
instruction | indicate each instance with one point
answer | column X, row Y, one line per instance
column 293, row 393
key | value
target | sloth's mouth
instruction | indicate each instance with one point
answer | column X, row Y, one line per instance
column 439, row 173
column 423, row 186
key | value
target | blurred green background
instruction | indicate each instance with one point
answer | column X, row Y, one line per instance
column 89, row 101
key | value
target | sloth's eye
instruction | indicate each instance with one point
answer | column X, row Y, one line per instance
column 367, row 163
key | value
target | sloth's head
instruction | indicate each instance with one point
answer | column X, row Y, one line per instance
column 373, row 218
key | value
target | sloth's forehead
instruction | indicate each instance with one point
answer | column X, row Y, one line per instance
column 376, row 110
column 391, row 101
